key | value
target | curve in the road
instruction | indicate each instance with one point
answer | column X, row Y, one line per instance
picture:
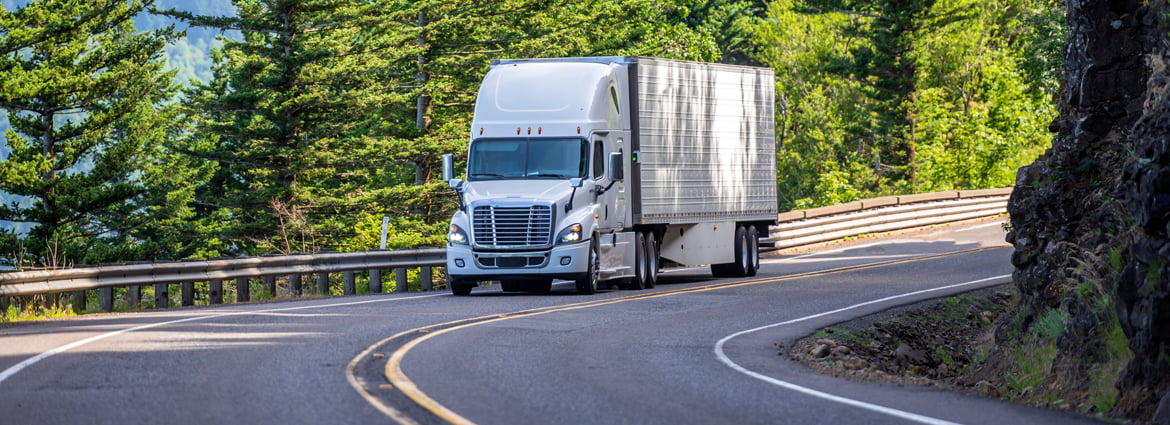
column 407, row 340
column 834, row 398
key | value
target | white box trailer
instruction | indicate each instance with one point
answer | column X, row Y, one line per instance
column 595, row 169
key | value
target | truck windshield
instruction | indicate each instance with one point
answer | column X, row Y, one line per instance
column 491, row 159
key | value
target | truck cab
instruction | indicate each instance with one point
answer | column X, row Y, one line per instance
column 544, row 177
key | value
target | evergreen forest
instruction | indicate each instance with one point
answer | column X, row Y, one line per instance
column 323, row 116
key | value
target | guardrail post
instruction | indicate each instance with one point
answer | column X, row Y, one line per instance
column 376, row 281
column 3, row 304
column 161, row 298
column 78, row 301
column 133, row 294
column 270, row 285
column 400, row 279
column 216, row 295
column 106, row 299
column 348, row 284
column 243, row 291
column 188, row 289
column 424, row 277
column 294, row 284
column 322, row 283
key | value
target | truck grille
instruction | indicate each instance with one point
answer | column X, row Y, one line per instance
column 512, row 227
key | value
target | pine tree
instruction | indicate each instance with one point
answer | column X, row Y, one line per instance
column 287, row 118
column 87, row 99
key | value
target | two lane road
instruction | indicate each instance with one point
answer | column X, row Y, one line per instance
column 693, row 350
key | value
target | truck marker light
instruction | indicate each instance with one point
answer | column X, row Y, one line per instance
column 517, row 130
column 578, row 130
column 539, row 130
column 481, row 131
column 529, row 130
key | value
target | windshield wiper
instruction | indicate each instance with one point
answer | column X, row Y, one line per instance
column 549, row 176
column 491, row 175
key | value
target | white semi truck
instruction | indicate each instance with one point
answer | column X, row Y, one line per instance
column 601, row 170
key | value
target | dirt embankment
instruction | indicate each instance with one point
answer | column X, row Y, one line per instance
column 944, row 343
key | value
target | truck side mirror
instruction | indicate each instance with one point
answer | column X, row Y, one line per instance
column 616, row 170
column 448, row 167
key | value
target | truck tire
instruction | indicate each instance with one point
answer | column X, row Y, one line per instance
column 651, row 260
column 753, row 239
column 508, row 285
column 460, row 287
column 638, row 282
column 742, row 250
column 587, row 285
column 537, row 285
column 743, row 262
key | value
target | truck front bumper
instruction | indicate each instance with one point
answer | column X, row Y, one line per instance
column 561, row 262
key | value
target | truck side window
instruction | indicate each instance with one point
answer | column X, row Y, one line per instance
column 598, row 159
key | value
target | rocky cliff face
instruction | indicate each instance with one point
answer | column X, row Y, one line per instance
column 1090, row 217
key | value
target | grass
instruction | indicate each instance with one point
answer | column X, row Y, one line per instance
column 1102, row 391
column 1033, row 357
column 1032, row 363
column 15, row 314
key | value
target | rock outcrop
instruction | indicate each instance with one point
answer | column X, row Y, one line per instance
column 1090, row 217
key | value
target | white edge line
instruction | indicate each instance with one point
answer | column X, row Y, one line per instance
column 7, row 373
column 981, row 226
column 835, row 398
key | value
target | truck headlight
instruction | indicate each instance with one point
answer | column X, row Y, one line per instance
column 456, row 236
column 571, row 234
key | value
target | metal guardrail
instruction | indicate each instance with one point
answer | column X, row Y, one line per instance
column 215, row 272
column 795, row 228
column 885, row 214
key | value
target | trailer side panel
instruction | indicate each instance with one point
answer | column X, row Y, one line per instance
column 706, row 143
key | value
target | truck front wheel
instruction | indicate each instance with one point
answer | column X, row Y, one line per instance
column 587, row 284
column 460, row 287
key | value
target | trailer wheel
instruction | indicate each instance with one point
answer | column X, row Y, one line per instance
column 587, row 285
column 651, row 260
column 638, row 282
column 753, row 240
column 460, row 287
column 743, row 262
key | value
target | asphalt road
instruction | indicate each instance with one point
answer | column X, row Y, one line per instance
column 694, row 350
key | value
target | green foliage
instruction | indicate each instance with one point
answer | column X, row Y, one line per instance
column 1103, row 392
column 889, row 97
column 1033, row 361
column 1051, row 325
